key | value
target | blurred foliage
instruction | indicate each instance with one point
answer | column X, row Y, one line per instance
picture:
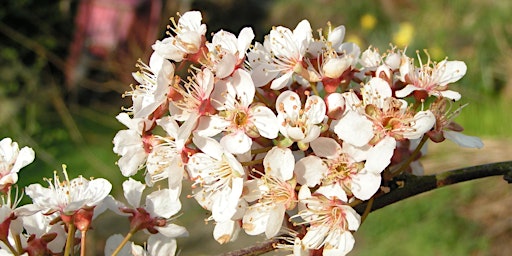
column 33, row 41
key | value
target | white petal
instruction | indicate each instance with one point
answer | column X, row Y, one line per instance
column 333, row 190
column 463, row 140
column 452, row 71
column 261, row 76
column 113, row 241
column 302, row 35
column 379, row 157
column 255, row 219
column 209, row 146
column 355, row 129
column 282, row 81
column 158, row 204
column 225, row 231
column 376, row 91
column 365, row 184
column 279, row 162
column 404, row 92
column 275, row 220
column 326, row 147
column 453, row 95
column 265, row 121
column 315, row 109
column 160, row 245
column 225, row 66
column 315, row 236
column 169, row 125
column 132, row 190
column 225, row 204
column 335, row 103
column 175, row 178
column 344, row 244
column 288, row 102
column 245, row 38
column 25, row 156
column 310, row 170
column 244, row 86
column 173, row 230
column 423, row 122
column 236, row 142
column 352, row 217
column 336, row 36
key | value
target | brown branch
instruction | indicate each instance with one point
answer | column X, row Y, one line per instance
column 258, row 249
column 413, row 185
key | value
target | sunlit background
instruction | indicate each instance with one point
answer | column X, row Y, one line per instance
column 64, row 65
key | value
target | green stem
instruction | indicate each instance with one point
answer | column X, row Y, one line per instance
column 70, row 241
column 17, row 242
column 253, row 162
column 367, row 209
column 11, row 248
column 315, row 91
column 82, row 243
column 262, row 99
column 389, row 175
column 125, row 240
column 260, row 150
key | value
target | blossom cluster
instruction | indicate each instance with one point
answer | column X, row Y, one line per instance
column 282, row 138
column 290, row 132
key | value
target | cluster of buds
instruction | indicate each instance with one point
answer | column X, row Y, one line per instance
column 282, row 138
column 285, row 134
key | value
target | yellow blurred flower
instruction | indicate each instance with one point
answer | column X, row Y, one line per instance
column 436, row 53
column 368, row 21
column 354, row 39
column 404, row 35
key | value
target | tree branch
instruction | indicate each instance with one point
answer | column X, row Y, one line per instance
column 258, row 249
column 412, row 185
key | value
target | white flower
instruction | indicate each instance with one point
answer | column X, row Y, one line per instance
column 331, row 221
column 226, row 52
column 431, row 77
column 165, row 161
column 188, row 38
column 12, row 159
column 238, row 117
column 39, row 224
column 68, row 196
column 333, row 165
column 154, row 84
column 276, row 194
column 283, row 54
column 158, row 205
column 131, row 145
column 445, row 128
column 379, row 121
column 157, row 245
column 192, row 99
column 371, row 59
column 297, row 123
column 220, row 177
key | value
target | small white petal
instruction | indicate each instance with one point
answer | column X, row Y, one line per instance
column 355, row 129
column 132, row 190
column 310, row 170
column 463, row 140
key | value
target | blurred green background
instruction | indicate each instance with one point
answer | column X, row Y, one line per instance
column 74, row 122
